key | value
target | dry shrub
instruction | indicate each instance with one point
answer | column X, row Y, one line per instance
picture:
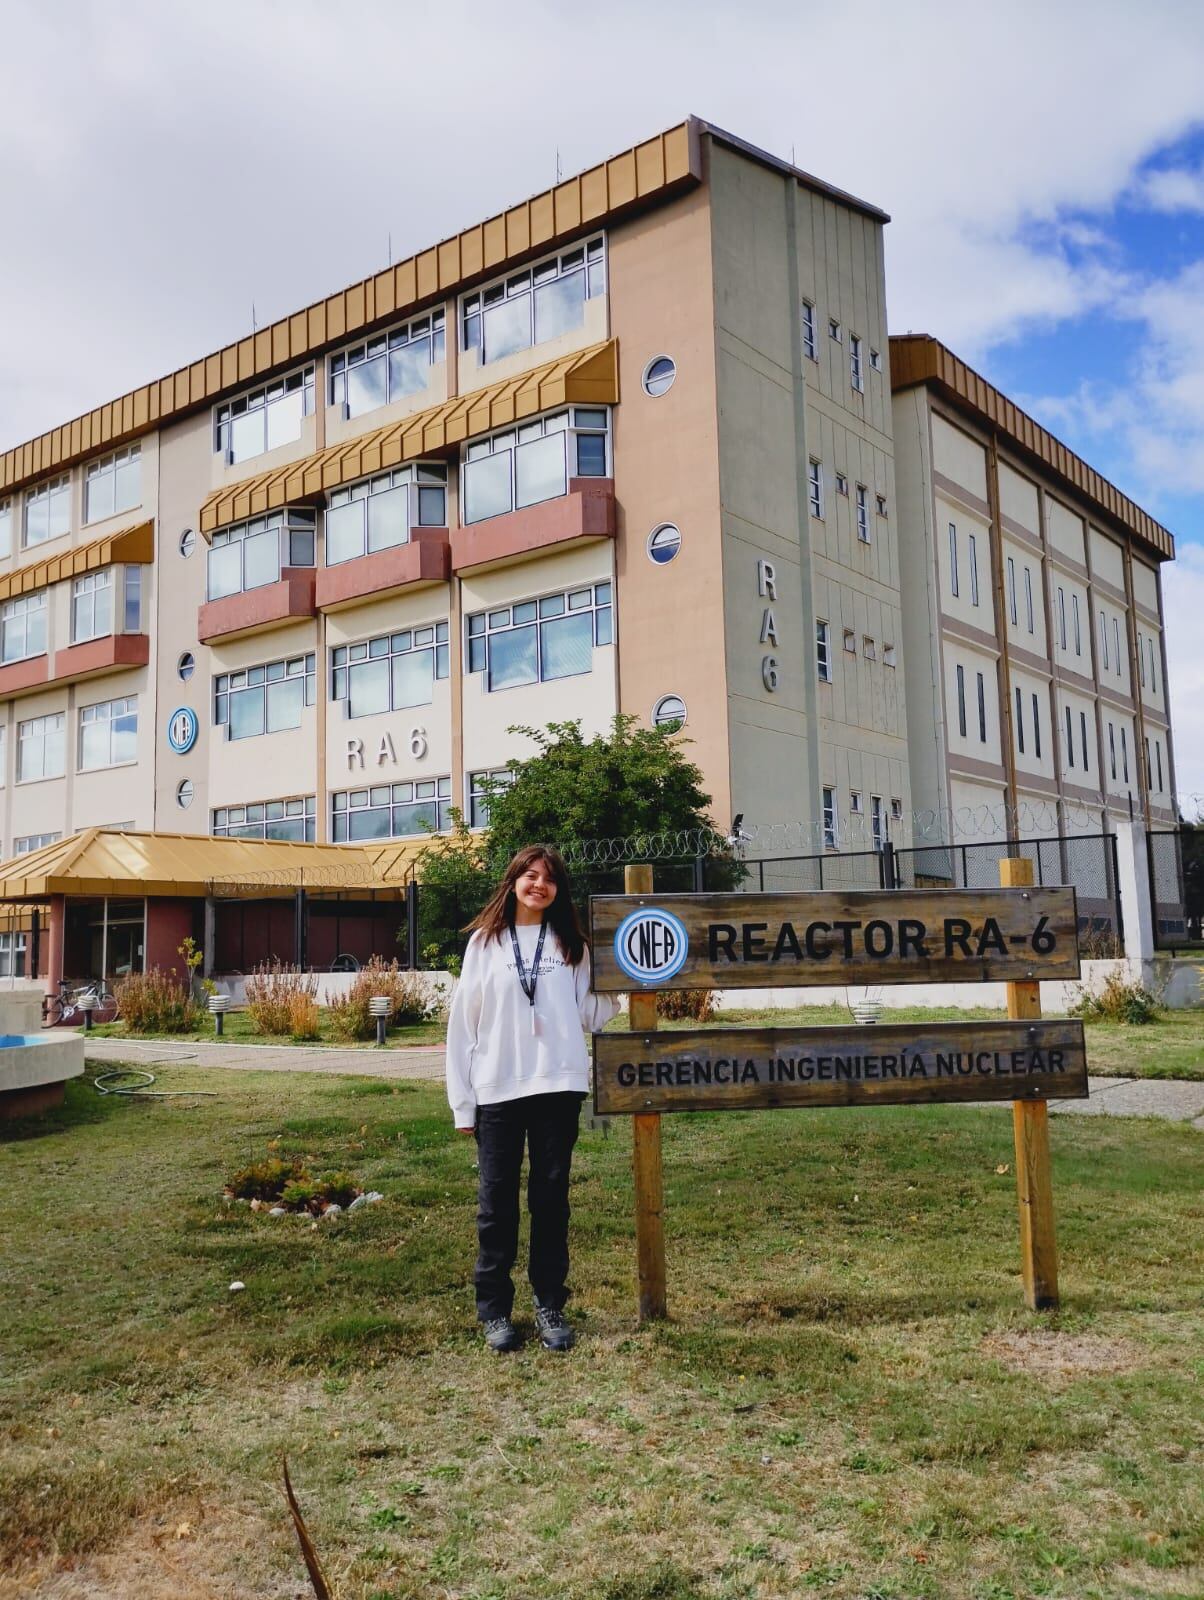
column 273, row 994
column 413, row 999
column 303, row 1018
column 1120, row 999
column 686, row 1005
column 156, row 1002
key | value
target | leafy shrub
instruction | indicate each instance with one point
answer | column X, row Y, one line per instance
column 286, row 1182
column 413, row 1000
column 680, row 1005
column 1119, row 1000
column 337, row 1188
column 303, row 1018
column 265, row 1180
column 156, row 1002
column 272, row 994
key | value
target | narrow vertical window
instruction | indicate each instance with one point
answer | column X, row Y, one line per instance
column 1083, row 733
column 1149, row 765
column 1124, row 751
column 982, row 709
column 863, row 513
column 953, row 559
column 876, row 834
column 961, row 701
column 855, row 372
column 1112, row 750
column 1012, row 590
column 1074, row 611
column 1120, row 671
column 829, row 819
column 1061, row 616
column 809, row 330
column 1028, row 598
column 973, row 571
column 1103, row 638
column 1158, row 757
column 823, row 652
column 1141, row 657
column 1036, row 726
column 815, row 487
column 1069, row 736
column 1019, row 721
column 1153, row 670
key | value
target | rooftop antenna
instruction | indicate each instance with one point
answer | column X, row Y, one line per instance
column 254, row 323
column 793, row 162
column 557, row 163
column 390, row 260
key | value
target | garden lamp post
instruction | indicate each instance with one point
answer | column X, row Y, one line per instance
column 380, row 1006
column 219, row 1004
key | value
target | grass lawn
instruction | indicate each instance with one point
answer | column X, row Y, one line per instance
column 238, row 1030
column 850, row 1399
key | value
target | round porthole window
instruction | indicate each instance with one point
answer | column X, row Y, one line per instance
column 184, row 794
column 664, row 543
column 669, row 711
column 186, row 665
column 659, row 375
column 187, row 543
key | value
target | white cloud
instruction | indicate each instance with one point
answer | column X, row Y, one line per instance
column 1171, row 189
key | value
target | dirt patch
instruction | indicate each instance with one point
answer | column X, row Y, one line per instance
column 1049, row 1354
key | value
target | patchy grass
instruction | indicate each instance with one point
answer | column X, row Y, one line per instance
column 239, row 1030
column 850, row 1399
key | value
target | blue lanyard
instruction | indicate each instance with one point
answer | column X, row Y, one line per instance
column 529, row 983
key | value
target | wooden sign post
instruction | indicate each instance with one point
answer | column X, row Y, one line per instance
column 647, row 1168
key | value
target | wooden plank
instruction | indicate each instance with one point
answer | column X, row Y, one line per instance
column 1030, row 1137
column 743, row 941
column 646, row 1160
column 926, row 1063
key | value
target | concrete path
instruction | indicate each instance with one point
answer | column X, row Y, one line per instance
column 1175, row 1100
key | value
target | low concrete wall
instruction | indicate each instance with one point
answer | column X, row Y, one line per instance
column 331, row 985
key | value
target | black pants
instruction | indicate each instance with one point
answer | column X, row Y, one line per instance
column 548, row 1125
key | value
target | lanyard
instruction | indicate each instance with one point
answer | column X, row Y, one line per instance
column 529, row 983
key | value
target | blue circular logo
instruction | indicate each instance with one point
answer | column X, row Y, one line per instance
column 651, row 946
column 182, row 728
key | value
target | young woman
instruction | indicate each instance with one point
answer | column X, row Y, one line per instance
column 517, row 1072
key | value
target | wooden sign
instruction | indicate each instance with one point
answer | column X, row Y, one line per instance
column 760, row 941
column 744, row 1069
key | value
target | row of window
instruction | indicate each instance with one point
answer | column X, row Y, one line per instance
column 869, row 649
column 831, row 822
column 107, row 736
column 378, row 811
column 94, row 613
column 111, row 485
column 836, row 333
column 815, row 498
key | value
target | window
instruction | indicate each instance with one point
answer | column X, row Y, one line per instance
column 669, row 712
column 41, row 748
column 535, row 305
column 973, row 569
column 877, row 833
column 133, row 599
column 391, row 672
column 842, row 484
column 378, row 513
column 269, row 819
column 34, row 841
column 92, row 606
column 982, row 708
column 961, row 701
column 863, row 514
column 537, row 640
column 1019, row 722
column 823, row 652
column 809, row 330
column 1112, row 750
column 1149, row 765
column 1141, row 657
column 850, row 640
column 889, row 656
column 1083, row 739
column 482, row 786
column 1012, row 590
column 252, row 554
column 1061, row 616
column 1153, row 668
column 113, row 485
column 12, row 954
column 868, row 648
column 264, row 419
column 1116, row 642
column 953, row 586
column 186, row 666
column 391, row 810
column 876, row 360
column 1124, row 751
column 108, row 734
column 264, row 699
column 184, row 793
column 1036, row 727
column 48, row 511
column 1028, row 598
column 880, row 501
column 834, row 329
column 658, row 376
column 1074, row 611
column 663, row 543
column 1103, row 634
column 1070, row 735
column 855, row 802
column 856, row 377
column 533, row 462
column 829, row 799
column 896, row 810
column 815, row 487
column 187, row 543
column 387, row 367
column 1158, row 755
column 6, row 528
column 23, row 627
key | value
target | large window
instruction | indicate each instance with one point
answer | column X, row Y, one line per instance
column 12, row 955
column 391, row 672
column 535, row 305
column 269, row 819
column 533, row 462
column 391, row 810
column 48, row 511
column 23, row 627
column 482, row 786
column 265, row 418
column 92, row 606
column 251, row 554
column 379, row 512
column 264, row 699
column 113, row 485
column 537, row 640
column 108, row 734
column 41, row 748
column 388, row 366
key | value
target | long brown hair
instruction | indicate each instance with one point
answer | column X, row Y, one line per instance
column 498, row 915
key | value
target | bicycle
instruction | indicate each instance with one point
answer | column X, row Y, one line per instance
column 65, row 1007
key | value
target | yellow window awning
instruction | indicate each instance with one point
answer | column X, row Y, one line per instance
column 591, row 377
column 135, row 546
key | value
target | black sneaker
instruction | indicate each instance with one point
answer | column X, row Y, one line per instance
column 501, row 1335
column 554, row 1330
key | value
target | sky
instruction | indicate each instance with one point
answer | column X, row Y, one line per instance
column 170, row 170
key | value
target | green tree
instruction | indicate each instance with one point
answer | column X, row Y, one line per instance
column 454, row 882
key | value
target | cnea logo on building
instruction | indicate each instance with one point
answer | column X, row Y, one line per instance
column 651, row 946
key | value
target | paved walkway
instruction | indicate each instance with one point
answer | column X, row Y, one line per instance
column 1175, row 1100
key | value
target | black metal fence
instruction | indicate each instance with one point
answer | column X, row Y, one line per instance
column 1176, row 858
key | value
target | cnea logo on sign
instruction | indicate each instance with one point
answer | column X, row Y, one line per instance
column 182, row 729
column 651, row 946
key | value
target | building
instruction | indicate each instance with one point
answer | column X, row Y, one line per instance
column 624, row 447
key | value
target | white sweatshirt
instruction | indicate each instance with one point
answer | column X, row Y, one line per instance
column 495, row 1051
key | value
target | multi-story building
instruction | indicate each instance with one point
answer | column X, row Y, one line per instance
column 1033, row 623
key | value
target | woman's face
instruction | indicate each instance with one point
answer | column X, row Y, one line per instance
column 535, row 888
